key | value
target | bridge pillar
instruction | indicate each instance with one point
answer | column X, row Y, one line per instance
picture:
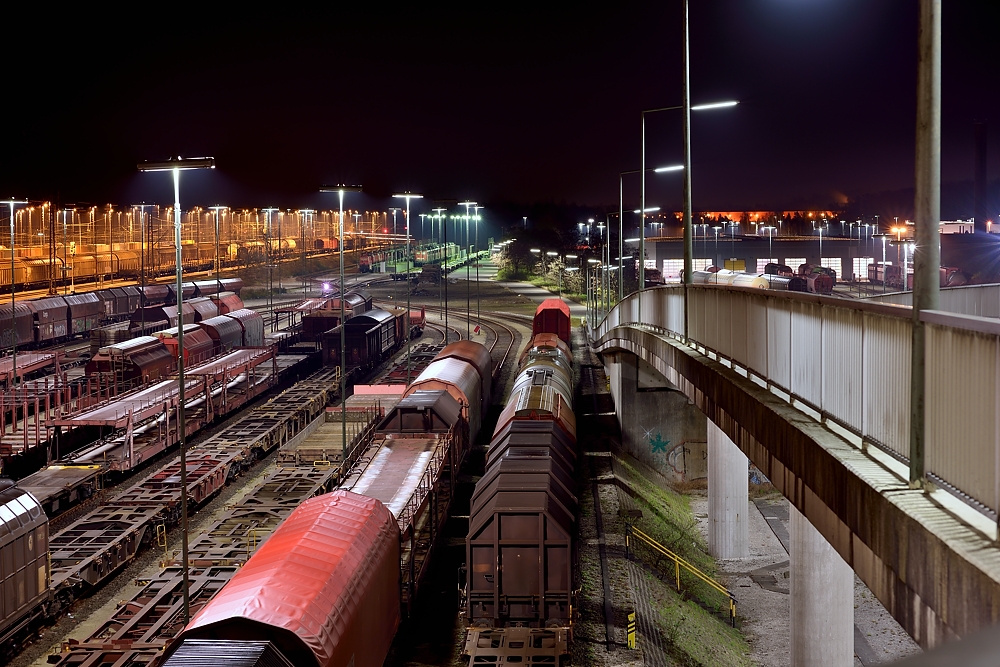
column 660, row 426
column 728, row 472
column 822, row 599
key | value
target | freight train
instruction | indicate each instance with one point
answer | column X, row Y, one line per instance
column 345, row 607
column 95, row 265
column 43, row 574
column 371, row 337
column 53, row 319
column 146, row 358
column 518, row 593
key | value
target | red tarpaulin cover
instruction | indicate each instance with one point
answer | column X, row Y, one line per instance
column 325, row 586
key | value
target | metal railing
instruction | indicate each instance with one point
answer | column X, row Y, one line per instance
column 849, row 362
column 633, row 533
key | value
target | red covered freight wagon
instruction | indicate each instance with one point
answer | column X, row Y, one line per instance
column 322, row 591
column 552, row 316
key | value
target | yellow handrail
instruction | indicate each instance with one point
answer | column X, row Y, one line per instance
column 678, row 563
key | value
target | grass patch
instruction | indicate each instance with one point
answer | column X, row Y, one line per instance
column 689, row 621
column 667, row 519
column 695, row 637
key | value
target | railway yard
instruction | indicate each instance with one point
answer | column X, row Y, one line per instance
column 99, row 546
column 478, row 417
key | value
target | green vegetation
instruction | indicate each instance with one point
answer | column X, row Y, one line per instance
column 694, row 637
column 692, row 625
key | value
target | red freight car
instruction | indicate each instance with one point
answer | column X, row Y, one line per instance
column 323, row 590
column 253, row 326
column 226, row 333
column 552, row 316
column 198, row 343
column 227, row 302
column 85, row 312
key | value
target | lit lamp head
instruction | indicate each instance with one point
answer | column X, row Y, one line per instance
column 178, row 164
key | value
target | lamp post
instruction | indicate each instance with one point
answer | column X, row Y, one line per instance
column 898, row 232
column 218, row 263
column 687, row 109
column 770, row 233
column 407, row 196
column 11, row 203
column 621, row 213
column 476, row 246
column 592, row 265
column 442, row 276
column 716, row 228
column 883, row 259
column 176, row 166
column 268, row 258
column 340, row 190
column 468, row 284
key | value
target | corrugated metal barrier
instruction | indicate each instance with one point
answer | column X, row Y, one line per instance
column 849, row 362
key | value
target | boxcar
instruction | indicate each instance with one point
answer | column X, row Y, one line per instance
column 525, row 500
column 85, row 312
column 252, row 324
column 16, row 325
column 144, row 358
column 24, row 552
column 384, row 325
column 227, row 302
column 198, row 343
column 153, row 295
column 225, row 332
column 341, row 609
column 204, row 308
column 552, row 316
column 50, row 319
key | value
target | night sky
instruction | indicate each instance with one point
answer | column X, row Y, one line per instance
column 512, row 105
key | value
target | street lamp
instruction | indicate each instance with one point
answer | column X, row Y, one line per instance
column 268, row 258
column 686, row 108
column 218, row 264
column 176, row 166
column 770, row 233
column 11, row 203
column 407, row 196
column 476, row 246
column 884, row 272
column 340, row 190
column 468, row 283
column 621, row 212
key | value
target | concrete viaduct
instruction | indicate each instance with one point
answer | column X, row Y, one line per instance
column 815, row 391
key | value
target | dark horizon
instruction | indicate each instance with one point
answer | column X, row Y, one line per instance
column 516, row 107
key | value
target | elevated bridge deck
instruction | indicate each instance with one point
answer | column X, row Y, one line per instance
column 816, row 391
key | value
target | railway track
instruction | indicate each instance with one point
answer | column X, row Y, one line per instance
column 89, row 552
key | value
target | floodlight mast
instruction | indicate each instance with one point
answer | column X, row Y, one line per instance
column 340, row 190
column 176, row 166
column 11, row 203
column 408, row 196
